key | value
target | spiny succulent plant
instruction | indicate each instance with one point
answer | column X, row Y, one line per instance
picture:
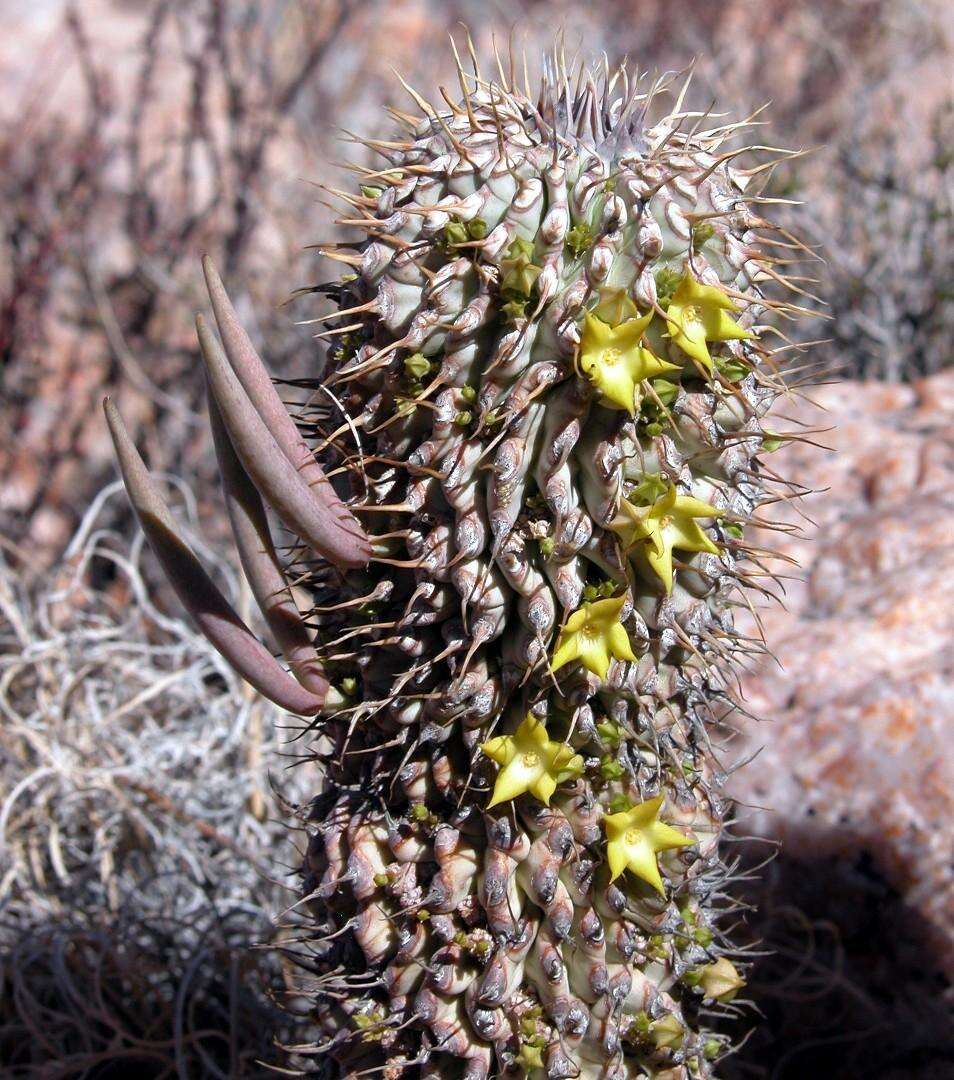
column 517, row 497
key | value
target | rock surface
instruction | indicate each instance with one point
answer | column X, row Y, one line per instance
column 858, row 751
column 854, row 931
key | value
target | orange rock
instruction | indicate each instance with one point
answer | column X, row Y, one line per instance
column 859, row 751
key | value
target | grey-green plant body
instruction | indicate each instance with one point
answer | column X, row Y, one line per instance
column 519, row 496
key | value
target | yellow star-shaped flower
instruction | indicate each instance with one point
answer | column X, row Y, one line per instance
column 615, row 362
column 698, row 314
column 633, row 838
column 668, row 523
column 530, row 761
column 594, row 633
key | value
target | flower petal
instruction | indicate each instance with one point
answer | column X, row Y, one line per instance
column 665, row 838
column 543, row 787
column 686, row 504
column 532, row 734
column 568, row 649
column 596, row 333
column 500, row 749
column 616, row 385
column 688, row 536
column 572, row 769
column 641, row 859
column 595, row 657
column 645, row 812
column 650, row 365
column 616, row 857
column 628, row 334
column 514, row 779
column 619, row 643
column 720, row 326
column 660, row 559
column 690, row 336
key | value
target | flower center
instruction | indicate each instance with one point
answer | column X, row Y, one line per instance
column 633, row 836
column 530, row 759
column 693, row 314
column 609, row 357
column 665, row 521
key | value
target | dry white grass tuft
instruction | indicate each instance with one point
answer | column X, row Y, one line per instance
column 137, row 828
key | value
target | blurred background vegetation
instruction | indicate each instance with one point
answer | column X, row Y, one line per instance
column 142, row 848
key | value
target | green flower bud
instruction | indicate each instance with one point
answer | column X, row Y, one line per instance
column 711, row 1048
column 702, row 233
column 455, row 232
column 578, row 239
column 417, row 365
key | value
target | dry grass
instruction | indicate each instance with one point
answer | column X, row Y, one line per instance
column 138, row 831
